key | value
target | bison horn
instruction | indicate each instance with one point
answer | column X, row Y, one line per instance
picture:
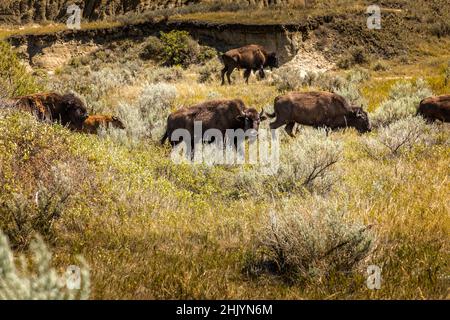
column 262, row 112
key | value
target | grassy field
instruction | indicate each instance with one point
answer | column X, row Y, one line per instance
column 149, row 228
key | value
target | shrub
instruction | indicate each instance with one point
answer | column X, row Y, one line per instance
column 345, row 62
column 163, row 74
column 356, row 56
column 380, row 66
column 147, row 118
column 153, row 49
column 289, row 78
column 44, row 284
column 210, row 71
column 352, row 94
column 24, row 214
column 402, row 102
column 39, row 180
column 358, row 75
column 108, row 79
column 306, row 164
column 359, row 55
column 309, row 162
column 440, row 29
column 399, row 138
column 303, row 242
column 179, row 49
column 14, row 79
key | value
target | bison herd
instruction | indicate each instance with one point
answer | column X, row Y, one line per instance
column 316, row 109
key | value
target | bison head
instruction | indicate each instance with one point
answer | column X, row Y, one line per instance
column 360, row 120
column 117, row 123
column 75, row 110
column 272, row 60
column 250, row 119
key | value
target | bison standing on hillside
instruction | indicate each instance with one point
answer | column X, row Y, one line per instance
column 317, row 109
column 251, row 57
column 435, row 108
column 52, row 107
column 220, row 115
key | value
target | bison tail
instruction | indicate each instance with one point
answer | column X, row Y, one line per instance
column 164, row 137
column 271, row 115
column 231, row 59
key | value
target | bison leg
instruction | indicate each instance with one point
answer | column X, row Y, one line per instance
column 262, row 75
column 224, row 70
column 229, row 76
column 289, row 129
column 247, row 73
column 276, row 124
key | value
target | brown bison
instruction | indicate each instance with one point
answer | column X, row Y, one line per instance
column 93, row 123
column 251, row 57
column 317, row 109
column 52, row 107
column 220, row 115
column 435, row 108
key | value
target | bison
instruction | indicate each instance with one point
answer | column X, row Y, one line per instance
column 220, row 115
column 317, row 109
column 66, row 109
column 94, row 122
column 251, row 57
column 435, row 108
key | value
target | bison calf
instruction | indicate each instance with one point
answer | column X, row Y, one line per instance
column 435, row 108
column 93, row 123
column 251, row 57
column 317, row 109
column 52, row 107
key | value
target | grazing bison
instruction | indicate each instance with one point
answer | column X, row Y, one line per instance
column 93, row 123
column 251, row 57
column 317, row 109
column 216, row 114
column 435, row 108
column 52, row 107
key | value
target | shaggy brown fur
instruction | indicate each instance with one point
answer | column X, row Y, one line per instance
column 435, row 108
column 52, row 107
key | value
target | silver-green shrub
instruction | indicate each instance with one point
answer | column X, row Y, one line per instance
column 402, row 102
column 147, row 117
column 400, row 137
column 42, row 284
column 288, row 78
column 313, row 239
column 163, row 74
column 23, row 214
column 307, row 163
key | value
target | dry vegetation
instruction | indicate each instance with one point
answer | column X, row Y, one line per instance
column 149, row 228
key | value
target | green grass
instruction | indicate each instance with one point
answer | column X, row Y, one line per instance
column 35, row 29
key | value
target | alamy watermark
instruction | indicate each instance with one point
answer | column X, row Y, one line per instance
column 374, row 19
column 373, row 277
column 73, row 277
column 212, row 147
column 74, row 20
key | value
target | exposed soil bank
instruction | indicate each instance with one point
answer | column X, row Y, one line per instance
column 284, row 39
